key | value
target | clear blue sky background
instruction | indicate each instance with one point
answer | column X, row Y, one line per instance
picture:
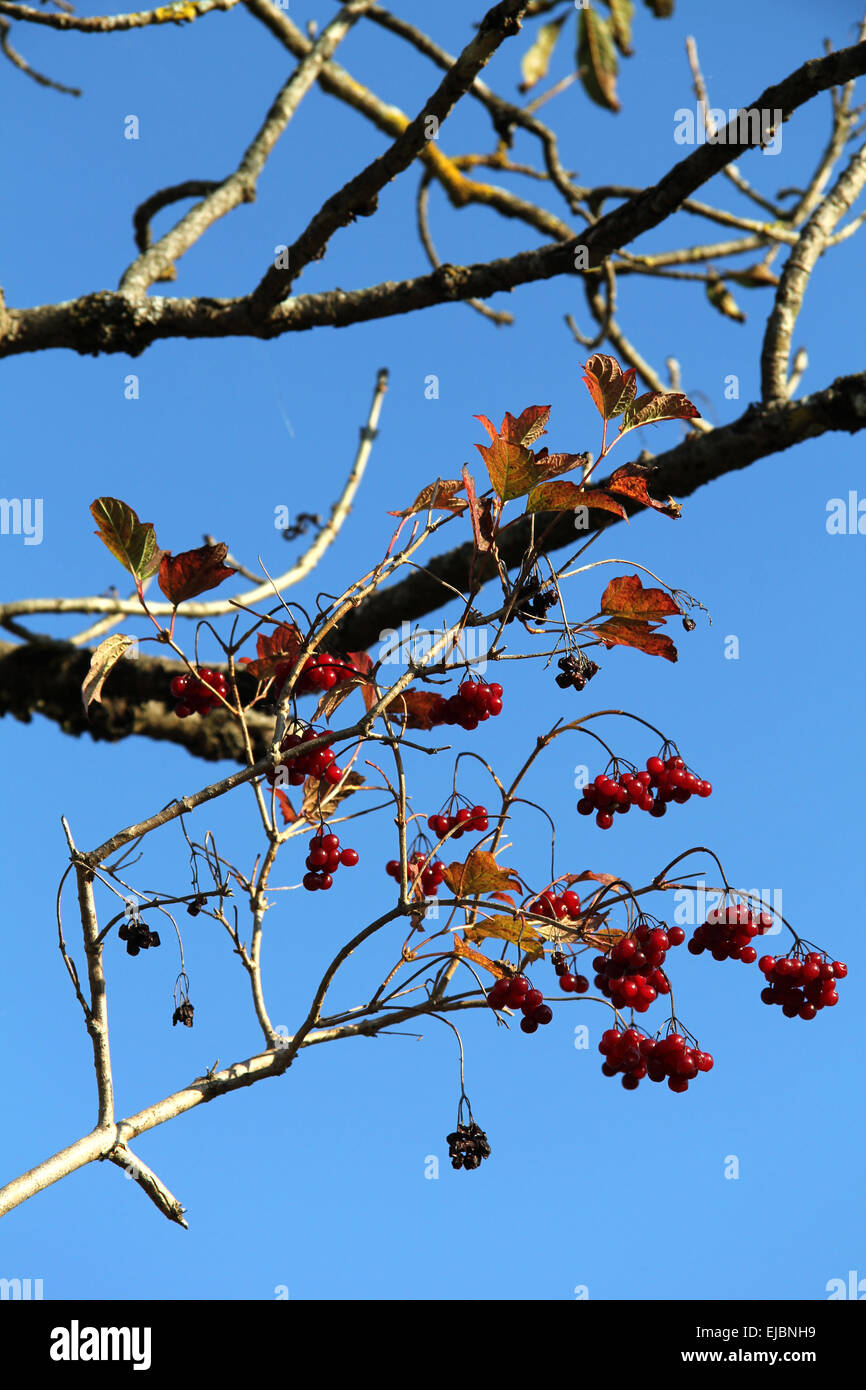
column 317, row 1181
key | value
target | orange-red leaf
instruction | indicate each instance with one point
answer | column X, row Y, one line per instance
column 289, row 813
column 414, row 707
column 626, row 597
column 625, row 632
column 280, row 648
column 192, row 572
column 529, row 425
column 562, row 496
column 654, row 406
column 495, row 967
column 631, row 481
column 480, row 873
column 512, row 929
column 611, row 388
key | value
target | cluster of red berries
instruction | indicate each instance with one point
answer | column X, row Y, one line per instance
column 631, row 973
column 568, row 982
column 670, row 779
column 464, row 822
column 430, row 877
column 193, row 696
column 556, row 905
column 324, row 859
column 473, row 703
column 517, row 993
column 320, row 762
column 318, row 673
column 728, row 931
column 636, row 1056
column 801, row 986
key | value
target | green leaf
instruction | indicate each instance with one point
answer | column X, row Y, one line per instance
column 621, row 16
column 597, row 60
column 130, row 541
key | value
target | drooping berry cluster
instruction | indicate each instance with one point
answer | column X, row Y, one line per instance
column 430, row 877
column 556, row 905
column 466, row 820
column 472, row 705
column 467, row 1146
column 575, row 671
column 138, row 936
column 183, row 1014
column 568, row 981
column 727, row 933
column 635, row 1056
column 670, row 779
column 802, row 986
column 320, row 762
column 324, row 859
column 631, row 973
column 319, row 673
column 515, row 992
column 193, row 696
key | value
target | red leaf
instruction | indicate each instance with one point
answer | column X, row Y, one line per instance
column 654, row 406
column 280, row 648
column 631, row 481
column 556, row 496
column 414, row 707
column 626, row 632
column 191, row 572
column 529, row 426
column 626, row 597
column 612, row 389
column 289, row 813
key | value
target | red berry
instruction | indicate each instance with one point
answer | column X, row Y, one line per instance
column 349, row 857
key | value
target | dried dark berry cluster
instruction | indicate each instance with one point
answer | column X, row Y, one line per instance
column 183, row 1014
column 575, row 671
column 198, row 902
column 138, row 936
column 467, row 1146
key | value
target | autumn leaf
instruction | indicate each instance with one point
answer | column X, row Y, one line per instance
column 289, row 813
column 466, row 952
column 626, row 597
column 536, row 60
column 662, row 9
column 612, row 389
column 438, row 496
column 512, row 929
column 597, row 60
column 414, row 707
column 625, row 632
column 512, row 468
column 561, row 496
column 621, row 15
column 104, row 657
column 280, row 648
column 721, row 298
column 480, row 873
column 320, row 798
column 631, row 481
column 481, row 515
column 130, row 541
column 191, row 572
column 655, row 406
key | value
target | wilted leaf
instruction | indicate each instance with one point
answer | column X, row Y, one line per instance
column 603, row 938
column 480, row 873
column 611, row 388
column 281, row 647
column 631, row 481
column 662, row 9
column 654, row 406
column 623, row 632
column 130, row 541
column 621, row 15
column 597, row 60
column 438, row 496
column 758, row 276
column 320, row 798
column 626, row 597
column 333, row 698
column 554, row 464
column 721, row 298
column 481, row 515
column 106, row 655
column 563, row 496
column 536, row 60
column 512, row 929
column 191, row 572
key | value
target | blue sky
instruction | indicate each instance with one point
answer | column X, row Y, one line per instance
column 316, row 1183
